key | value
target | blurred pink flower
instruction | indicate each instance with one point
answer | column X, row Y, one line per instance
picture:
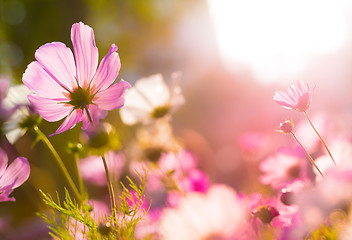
column 269, row 210
column 218, row 214
column 283, row 168
column 342, row 149
column 92, row 168
column 252, row 141
column 297, row 98
column 74, row 88
column 5, row 112
column 12, row 176
column 181, row 162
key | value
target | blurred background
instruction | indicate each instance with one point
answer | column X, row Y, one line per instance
column 233, row 55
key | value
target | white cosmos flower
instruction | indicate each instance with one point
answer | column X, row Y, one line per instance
column 218, row 214
column 16, row 98
column 150, row 98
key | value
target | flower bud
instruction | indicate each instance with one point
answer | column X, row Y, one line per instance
column 287, row 197
column 105, row 229
column 266, row 214
column 286, row 127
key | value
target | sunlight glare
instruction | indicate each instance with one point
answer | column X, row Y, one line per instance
column 276, row 38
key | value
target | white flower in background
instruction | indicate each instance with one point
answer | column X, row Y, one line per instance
column 17, row 100
column 218, row 214
column 150, row 98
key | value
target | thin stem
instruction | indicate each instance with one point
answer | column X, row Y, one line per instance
column 110, row 187
column 80, row 180
column 59, row 161
column 308, row 155
column 88, row 114
column 321, row 139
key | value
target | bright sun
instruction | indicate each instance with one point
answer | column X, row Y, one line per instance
column 276, row 38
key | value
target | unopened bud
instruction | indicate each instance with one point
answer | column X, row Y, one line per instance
column 286, row 127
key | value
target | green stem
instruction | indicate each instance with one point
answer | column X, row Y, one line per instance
column 80, row 180
column 59, row 161
column 321, row 139
column 88, row 114
column 308, row 155
column 110, row 187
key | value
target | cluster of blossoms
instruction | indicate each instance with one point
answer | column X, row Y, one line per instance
column 175, row 198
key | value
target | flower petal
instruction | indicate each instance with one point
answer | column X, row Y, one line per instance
column 108, row 69
column 3, row 161
column 4, row 86
column 95, row 113
column 4, row 194
column 70, row 122
column 40, row 82
column 57, row 60
column 86, row 53
column 51, row 110
column 17, row 173
column 154, row 90
column 112, row 97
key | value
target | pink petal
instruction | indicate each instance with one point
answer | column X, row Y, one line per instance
column 95, row 113
column 70, row 122
column 3, row 161
column 17, row 173
column 108, row 69
column 5, row 192
column 4, row 86
column 86, row 53
column 57, row 60
column 283, row 99
column 51, row 110
column 40, row 82
column 111, row 98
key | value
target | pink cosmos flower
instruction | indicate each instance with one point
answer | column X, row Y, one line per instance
column 297, row 98
column 75, row 88
column 282, row 169
column 11, row 176
column 92, row 168
column 271, row 211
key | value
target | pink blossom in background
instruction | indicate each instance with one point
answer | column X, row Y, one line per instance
column 76, row 89
column 270, row 210
column 194, row 181
column 308, row 137
column 4, row 86
column 342, row 149
column 12, row 176
column 283, row 168
column 5, row 113
column 181, row 162
column 298, row 97
column 92, row 168
column 252, row 141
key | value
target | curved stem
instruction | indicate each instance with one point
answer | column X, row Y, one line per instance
column 308, row 155
column 321, row 139
column 110, row 187
column 59, row 161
